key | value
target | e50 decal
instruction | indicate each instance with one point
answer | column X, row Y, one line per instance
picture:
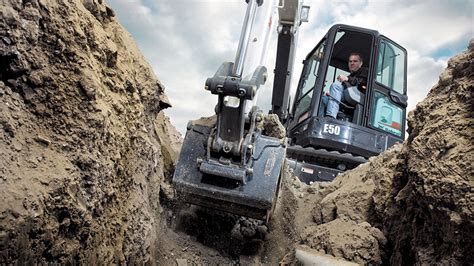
column 332, row 129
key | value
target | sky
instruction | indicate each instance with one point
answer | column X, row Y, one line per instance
column 185, row 41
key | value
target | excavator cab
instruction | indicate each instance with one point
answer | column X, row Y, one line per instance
column 367, row 123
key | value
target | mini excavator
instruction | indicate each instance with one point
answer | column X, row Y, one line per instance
column 230, row 164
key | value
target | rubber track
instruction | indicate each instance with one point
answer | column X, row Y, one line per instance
column 310, row 154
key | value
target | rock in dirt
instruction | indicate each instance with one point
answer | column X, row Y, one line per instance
column 309, row 256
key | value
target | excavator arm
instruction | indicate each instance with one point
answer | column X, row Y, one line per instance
column 232, row 165
column 291, row 16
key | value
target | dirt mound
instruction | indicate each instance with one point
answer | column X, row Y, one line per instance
column 83, row 144
column 431, row 219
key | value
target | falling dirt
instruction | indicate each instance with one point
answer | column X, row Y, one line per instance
column 87, row 158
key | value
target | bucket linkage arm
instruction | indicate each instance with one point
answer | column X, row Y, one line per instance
column 229, row 139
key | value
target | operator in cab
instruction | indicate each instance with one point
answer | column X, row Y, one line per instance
column 357, row 78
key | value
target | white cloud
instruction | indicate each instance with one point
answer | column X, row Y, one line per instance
column 422, row 26
column 185, row 41
column 423, row 74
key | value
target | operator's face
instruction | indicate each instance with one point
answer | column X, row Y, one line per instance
column 354, row 63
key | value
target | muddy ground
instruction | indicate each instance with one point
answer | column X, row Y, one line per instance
column 87, row 156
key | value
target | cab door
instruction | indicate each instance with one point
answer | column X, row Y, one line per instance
column 388, row 100
column 309, row 81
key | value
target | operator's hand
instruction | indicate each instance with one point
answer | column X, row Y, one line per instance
column 342, row 78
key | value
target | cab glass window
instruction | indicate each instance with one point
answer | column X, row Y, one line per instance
column 386, row 116
column 305, row 92
column 391, row 66
column 331, row 76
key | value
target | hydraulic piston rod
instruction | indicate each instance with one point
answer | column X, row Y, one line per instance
column 244, row 38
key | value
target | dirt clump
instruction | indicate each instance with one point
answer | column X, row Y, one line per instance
column 272, row 127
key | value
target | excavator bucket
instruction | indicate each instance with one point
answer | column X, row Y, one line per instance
column 219, row 186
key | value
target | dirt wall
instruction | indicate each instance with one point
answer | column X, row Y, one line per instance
column 83, row 142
